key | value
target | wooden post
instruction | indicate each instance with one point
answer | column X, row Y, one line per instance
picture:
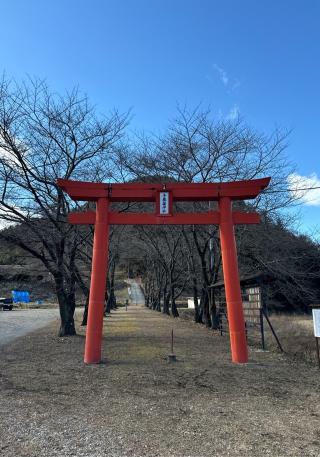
column 98, row 284
column 239, row 350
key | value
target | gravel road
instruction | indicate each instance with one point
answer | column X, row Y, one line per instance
column 137, row 297
column 23, row 321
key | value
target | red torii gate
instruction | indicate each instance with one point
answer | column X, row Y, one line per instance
column 164, row 195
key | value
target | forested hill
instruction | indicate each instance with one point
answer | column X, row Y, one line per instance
column 292, row 260
column 23, row 272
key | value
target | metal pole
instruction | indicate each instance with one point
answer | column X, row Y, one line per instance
column 98, row 284
column 239, row 350
column 272, row 330
column 317, row 347
column 263, row 344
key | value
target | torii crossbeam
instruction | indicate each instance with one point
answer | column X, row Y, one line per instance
column 164, row 195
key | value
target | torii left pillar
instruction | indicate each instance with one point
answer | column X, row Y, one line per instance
column 98, row 283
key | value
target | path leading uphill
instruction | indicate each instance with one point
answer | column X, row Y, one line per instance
column 136, row 294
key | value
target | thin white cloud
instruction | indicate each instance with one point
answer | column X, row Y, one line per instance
column 230, row 83
column 7, row 219
column 3, row 153
column 222, row 74
column 4, row 223
column 305, row 188
column 8, row 157
column 233, row 113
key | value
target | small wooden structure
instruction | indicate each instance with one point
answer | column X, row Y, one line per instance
column 253, row 302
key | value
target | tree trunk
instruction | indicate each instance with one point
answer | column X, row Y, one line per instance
column 85, row 312
column 66, row 306
column 205, row 307
column 152, row 298
column 155, row 303
column 152, row 295
column 147, row 293
column 111, row 302
column 158, row 306
column 213, row 311
column 174, row 309
column 166, row 302
column 107, row 304
column 197, row 315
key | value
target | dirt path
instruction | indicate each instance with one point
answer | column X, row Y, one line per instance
column 136, row 404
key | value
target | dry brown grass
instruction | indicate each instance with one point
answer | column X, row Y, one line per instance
column 295, row 333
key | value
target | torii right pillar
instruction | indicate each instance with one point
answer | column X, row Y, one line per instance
column 238, row 340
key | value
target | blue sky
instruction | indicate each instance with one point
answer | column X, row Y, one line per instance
column 260, row 59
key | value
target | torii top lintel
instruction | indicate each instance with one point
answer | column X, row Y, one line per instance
column 116, row 192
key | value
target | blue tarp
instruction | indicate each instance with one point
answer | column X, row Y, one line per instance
column 20, row 296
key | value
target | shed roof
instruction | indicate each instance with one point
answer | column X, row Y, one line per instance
column 256, row 279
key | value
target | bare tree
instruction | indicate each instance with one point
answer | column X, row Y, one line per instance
column 44, row 136
column 196, row 148
column 165, row 268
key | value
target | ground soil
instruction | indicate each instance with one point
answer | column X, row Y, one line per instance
column 137, row 404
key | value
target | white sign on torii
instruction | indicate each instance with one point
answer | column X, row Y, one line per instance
column 164, row 203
